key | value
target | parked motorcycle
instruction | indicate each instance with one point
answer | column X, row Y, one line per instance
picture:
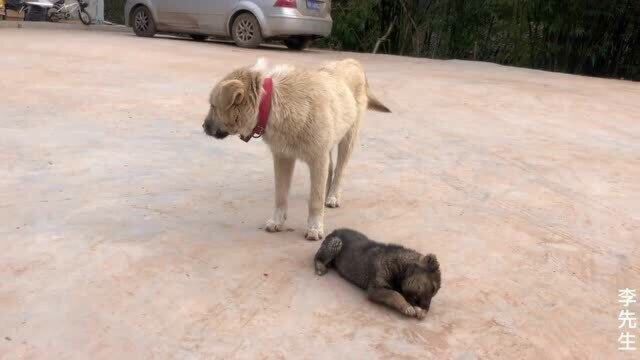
column 42, row 10
column 30, row 10
column 63, row 11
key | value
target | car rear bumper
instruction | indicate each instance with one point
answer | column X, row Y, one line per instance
column 283, row 25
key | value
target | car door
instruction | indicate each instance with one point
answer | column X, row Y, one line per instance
column 175, row 15
column 210, row 15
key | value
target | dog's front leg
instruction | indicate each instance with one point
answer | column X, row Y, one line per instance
column 318, row 169
column 283, row 168
column 394, row 300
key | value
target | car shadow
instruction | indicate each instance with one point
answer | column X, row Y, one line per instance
column 265, row 46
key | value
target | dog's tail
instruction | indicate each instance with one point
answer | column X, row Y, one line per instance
column 373, row 103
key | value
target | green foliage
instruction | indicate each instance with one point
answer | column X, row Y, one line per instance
column 594, row 37
column 351, row 32
column 114, row 11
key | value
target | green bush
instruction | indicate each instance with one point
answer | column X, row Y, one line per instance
column 114, row 11
column 593, row 37
column 577, row 36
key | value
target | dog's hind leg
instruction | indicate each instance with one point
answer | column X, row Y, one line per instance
column 328, row 251
column 330, row 177
column 345, row 148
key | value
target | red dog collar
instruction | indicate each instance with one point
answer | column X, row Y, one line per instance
column 263, row 111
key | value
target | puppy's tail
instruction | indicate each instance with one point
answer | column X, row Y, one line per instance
column 375, row 104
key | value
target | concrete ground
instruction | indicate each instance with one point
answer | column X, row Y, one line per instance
column 127, row 234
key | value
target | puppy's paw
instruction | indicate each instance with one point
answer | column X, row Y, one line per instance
column 273, row 226
column 314, row 234
column 332, row 201
column 414, row 311
column 420, row 313
column 321, row 269
column 409, row 311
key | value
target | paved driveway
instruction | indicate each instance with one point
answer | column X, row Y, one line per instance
column 126, row 233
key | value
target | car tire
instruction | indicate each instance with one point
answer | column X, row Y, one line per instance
column 246, row 31
column 297, row 42
column 198, row 37
column 142, row 22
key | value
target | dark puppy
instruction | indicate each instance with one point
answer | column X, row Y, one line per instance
column 400, row 278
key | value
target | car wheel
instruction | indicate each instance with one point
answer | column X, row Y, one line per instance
column 297, row 42
column 198, row 37
column 143, row 24
column 245, row 31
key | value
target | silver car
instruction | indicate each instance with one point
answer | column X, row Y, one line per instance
column 247, row 22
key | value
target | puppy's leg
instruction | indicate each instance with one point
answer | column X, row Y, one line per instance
column 394, row 300
column 345, row 148
column 283, row 168
column 328, row 251
column 315, row 224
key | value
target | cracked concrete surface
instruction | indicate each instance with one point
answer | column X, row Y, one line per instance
column 126, row 233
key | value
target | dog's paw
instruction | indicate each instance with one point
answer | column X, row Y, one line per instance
column 420, row 313
column 314, row 234
column 321, row 269
column 409, row 311
column 273, row 226
column 414, row 311
column 276, row 223
column 332, row 201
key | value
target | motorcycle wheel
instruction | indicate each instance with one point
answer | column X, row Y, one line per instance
column 53, row 17
column 84, row 17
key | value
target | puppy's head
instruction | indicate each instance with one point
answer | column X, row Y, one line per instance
column 233, row 104
column 422, row 281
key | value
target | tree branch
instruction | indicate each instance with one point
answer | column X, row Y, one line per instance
column 384, row 37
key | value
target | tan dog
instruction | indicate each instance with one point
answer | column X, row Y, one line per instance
column 311, row 112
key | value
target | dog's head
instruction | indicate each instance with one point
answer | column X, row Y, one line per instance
column 422, row 281
column 233, row 103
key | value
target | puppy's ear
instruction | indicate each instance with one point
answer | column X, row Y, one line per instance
column 430, row 262
column 232, row 93
column 261, row 65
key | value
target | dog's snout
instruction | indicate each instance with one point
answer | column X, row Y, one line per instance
column 206, row 127
column 426, row 304
column 212, row 130
column 220, row 134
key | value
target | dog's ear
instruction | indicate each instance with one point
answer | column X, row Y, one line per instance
column 232, row 93
column 430, row 262
column 261, row 65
